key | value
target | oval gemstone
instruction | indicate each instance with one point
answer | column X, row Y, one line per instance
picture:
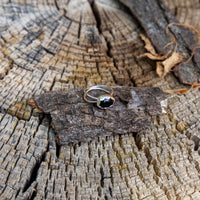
column 105, row 101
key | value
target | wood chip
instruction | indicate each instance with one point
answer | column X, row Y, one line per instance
column 162, row 68
column 184, row 90
column 169, row 60
column 150, row 48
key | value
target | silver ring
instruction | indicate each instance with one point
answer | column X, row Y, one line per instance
column 103, row 101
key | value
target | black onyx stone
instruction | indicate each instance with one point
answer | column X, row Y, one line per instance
column 106, row 101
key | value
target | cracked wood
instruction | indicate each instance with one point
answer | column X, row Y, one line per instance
column 163, row 164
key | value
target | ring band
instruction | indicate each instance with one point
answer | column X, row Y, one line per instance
column 102, row 101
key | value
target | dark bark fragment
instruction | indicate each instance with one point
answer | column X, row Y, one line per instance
column 75, row 120
column 154, row 18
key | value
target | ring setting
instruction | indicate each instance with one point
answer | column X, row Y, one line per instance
column 103, row 101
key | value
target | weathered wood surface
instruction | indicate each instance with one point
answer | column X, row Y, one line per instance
column 155, row 27
column 58, row 45
column 75, row 120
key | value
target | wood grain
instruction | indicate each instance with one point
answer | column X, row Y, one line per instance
column 61, row 45
column 154, row 20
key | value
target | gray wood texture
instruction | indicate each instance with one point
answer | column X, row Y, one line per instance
column 61, row 45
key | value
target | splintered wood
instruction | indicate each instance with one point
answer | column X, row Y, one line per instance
column 61, row 45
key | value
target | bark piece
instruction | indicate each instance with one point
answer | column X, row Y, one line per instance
column 154, row 18
column 78, row 121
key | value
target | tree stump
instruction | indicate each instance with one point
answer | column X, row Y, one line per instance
column 61, row 45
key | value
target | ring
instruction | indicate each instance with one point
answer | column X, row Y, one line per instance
column 103, row 101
